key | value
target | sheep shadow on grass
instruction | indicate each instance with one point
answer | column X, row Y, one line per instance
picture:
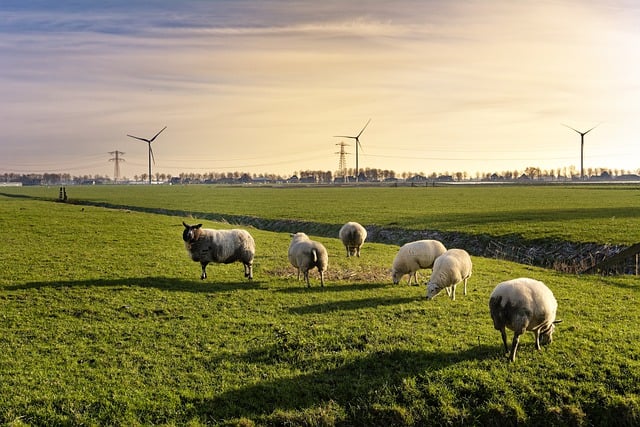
column 301, row 288
column 356, row 304
column 161, row 283
column 345, row 385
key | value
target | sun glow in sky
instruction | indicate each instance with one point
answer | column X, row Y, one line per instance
column 262, row 86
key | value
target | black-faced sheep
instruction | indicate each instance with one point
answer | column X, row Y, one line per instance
column 352, row 236
column 523, row 305
column 413, row 256
column 220, row 246
column 305, row 254
column 449, row 269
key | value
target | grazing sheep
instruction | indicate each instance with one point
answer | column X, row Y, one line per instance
column 413, row 256
column 449, row 269
column 305, row 254
column 352, row 236
column 220, row 246
column 523, row 305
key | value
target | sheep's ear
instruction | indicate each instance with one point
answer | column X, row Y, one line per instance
column 185, row 224
column 557, row 321
column 198, row 225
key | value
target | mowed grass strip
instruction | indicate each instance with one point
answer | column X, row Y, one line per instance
column 606, row 214
column 103, row 320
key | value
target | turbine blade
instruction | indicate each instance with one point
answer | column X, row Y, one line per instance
column 365, row 126
column 141, row 139
column 344, row 136
column 151, row 152
column 576, row 130
column 591, row 129
column 151, row 140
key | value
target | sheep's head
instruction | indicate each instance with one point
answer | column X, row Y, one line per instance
column 546, row 335
column 396, row 276
column 191, row 232
column 298, row 236
column 432, row 290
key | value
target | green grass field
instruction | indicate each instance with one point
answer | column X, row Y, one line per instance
column 601, row 214
column 104, row 321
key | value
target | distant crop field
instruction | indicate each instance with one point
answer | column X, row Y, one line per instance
column 104, row 321
column 602, row 214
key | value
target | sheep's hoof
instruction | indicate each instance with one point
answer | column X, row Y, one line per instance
column 204, row 276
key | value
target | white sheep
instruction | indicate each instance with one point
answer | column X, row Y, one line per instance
column 352, row 236
column 413, row 256
column 449, row 269
column 522, row 305
column 305, row 254
column 220, row 246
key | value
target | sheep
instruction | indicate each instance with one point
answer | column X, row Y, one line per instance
column 305, row 254
column 449, row 269
column 522, row 305
column 205, row 245
column 413, row 256
column 352, row 236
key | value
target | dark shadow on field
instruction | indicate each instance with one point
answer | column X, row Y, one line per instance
column 613, row 281
column 350, row 385
column 358, row 304
column 19, row 196
column 162, row 283
column 301, row 287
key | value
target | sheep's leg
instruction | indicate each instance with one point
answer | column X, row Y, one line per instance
column 248, row 271
column 448, row 289
column 453, row 292
column 514, row 346
column 414, row 276
column 358, row 251
column 306, row 278
column 503, row 333
column 537, row 332
column 465, row 286
column 348, row 251
column 204, row 270
column 322, row 279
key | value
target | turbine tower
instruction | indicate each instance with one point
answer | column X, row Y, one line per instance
column 116, row 167
column 342, row 163
column 149, row 141
column 582, row 134
column 357, row 138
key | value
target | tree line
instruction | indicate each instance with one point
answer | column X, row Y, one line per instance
column 319, row 176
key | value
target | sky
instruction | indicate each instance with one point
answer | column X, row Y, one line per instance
column 263, row 86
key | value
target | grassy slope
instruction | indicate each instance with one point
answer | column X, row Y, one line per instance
column 103, row 320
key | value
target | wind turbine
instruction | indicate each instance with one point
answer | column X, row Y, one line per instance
column 357, row 138
column 149, row 141
column 582, row 134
